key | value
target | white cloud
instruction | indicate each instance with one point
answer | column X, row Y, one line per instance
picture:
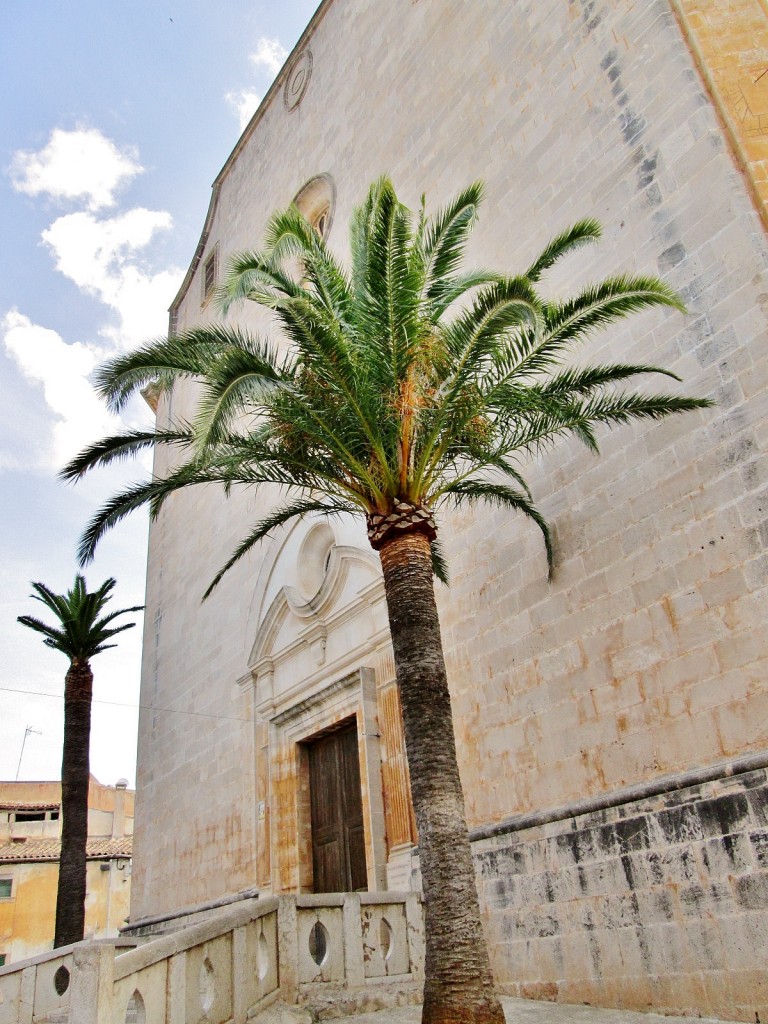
column 244, row 103
column 78, row 164
column 270, row 54
column 99, row 255
column 105, row 258
column 62, row 371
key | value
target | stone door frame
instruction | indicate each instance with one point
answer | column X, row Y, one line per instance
column 352, row 696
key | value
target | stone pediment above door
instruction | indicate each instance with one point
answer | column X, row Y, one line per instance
column 321, row 609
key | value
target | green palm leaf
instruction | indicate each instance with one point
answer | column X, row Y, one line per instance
column 278, row 517
column 407, row 377
column 410, row 384
column 581, row 233
column 82, row 630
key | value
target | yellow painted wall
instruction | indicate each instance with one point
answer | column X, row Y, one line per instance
column 729, row 40
column 107, row 898
column 27, row 919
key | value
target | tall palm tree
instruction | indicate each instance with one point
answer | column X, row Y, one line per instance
column 401, row 387
column 81, row 633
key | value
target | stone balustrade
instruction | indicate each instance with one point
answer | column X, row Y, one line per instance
column 39, row 989
column 349, row 951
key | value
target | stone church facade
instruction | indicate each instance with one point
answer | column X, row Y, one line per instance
column 613, row 723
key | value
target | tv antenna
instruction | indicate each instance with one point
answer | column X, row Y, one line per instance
column 27, row 732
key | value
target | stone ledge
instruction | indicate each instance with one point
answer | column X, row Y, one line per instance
column 626, row 795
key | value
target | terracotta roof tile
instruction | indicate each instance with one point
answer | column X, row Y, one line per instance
column 16, row 805
column 32, row 849
column 109, row 847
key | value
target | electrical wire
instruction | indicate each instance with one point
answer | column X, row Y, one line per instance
column 119, row 704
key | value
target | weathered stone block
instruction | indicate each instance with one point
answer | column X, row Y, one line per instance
column 752, row 892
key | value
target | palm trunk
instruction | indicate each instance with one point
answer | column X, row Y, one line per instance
column 75, row 775
column 459, row 982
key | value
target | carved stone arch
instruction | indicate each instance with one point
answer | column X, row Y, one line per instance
column 272, row 555
column 318, row 623
column 289, row 601
column 347, row 534
column 136, row 1011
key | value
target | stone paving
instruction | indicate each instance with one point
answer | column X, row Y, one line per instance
column 525, row 1011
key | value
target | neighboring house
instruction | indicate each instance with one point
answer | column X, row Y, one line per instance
column 30, row 826
column 612, row 724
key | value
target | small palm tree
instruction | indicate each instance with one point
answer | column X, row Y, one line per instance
column 408, row 386
column 81, row 633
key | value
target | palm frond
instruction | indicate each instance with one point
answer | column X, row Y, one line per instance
column 584, row 381
column 54, row 637
column 393, row 284
column 445, row 238
column 57, row 603
column 601, row 304
column 621, row 408
column 450, row 289
column 151, row 493
column 439, row 563
column 162, row 362
column 118, row 447
column 581, row 233
column 236, row 382
column 360, row 230
column 106, row 619
column 254, row 275
column 472, row 491
column 81, row 633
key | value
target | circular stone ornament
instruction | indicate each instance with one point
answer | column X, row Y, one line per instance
column 299, row 74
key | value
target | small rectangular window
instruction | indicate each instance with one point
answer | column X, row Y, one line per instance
column 210, row 274
column 2, row 959
column 6, row 888
column 30, row 815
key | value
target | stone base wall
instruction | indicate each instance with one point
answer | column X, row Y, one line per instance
column 657, row 902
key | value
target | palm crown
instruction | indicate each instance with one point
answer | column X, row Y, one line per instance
column 409, row 382
column 82, row 633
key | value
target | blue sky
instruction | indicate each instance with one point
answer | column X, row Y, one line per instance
column 114, row 120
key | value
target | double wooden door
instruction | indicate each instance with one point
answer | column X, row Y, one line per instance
column 338, row 839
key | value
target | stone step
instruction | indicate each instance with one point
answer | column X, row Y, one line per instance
column 516, row 1011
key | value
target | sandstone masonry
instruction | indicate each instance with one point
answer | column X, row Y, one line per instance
column 644, row 659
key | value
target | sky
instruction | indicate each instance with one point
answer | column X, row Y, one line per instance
column 114, row 120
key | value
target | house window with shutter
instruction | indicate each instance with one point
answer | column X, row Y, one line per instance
column 6, row 888
column 210, row 274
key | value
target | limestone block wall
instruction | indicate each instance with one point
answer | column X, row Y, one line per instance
column 646, row 654
column 728, row 41
column 652, row 902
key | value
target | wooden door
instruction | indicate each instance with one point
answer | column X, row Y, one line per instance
column 338, row 839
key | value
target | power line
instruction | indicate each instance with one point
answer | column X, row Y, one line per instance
column 119, row 704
